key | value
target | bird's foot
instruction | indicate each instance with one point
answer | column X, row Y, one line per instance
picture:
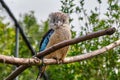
column 59, row 61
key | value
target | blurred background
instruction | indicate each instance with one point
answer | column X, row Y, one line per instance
column 85, row 16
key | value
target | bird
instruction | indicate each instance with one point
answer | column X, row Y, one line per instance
column 59, row 30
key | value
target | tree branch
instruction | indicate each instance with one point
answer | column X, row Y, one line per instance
column 20, row 69
column 84, row 56
column 19, row 61
column 34, row 61
column 89, row 36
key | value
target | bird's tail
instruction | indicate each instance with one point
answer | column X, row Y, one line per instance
column 41, row 72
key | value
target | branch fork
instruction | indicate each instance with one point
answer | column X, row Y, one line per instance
column 33, row 61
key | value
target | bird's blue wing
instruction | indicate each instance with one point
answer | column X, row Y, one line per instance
column 42, row 47
column 45, row 40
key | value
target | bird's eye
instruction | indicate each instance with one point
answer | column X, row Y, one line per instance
column 53, row 20
column 63, row 20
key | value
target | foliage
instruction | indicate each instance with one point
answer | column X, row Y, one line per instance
column 7, row 35
column 34, row 33
column 102, row 67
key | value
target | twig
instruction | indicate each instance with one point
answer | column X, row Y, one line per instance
column 61, row 45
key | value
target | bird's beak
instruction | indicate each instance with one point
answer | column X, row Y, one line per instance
column 58, row 24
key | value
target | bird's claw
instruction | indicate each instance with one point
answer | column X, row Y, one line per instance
column 59, row 61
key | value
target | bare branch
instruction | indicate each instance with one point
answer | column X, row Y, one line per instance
column 89, row 36
column 19, row 61
column 61, row 45
column 84, row 56
column 33, row 61
column 70, row 59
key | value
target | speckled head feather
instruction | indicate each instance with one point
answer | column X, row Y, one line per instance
column 58, row 19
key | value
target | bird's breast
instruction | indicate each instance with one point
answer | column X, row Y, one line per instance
column 61, row 35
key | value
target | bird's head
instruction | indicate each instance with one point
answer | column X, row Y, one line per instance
column 58, row 20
